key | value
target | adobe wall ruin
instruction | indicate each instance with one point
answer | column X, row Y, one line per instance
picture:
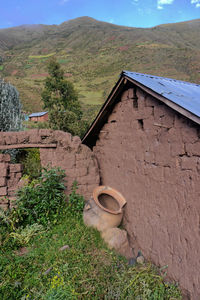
column 151, row 155
column 57, row 149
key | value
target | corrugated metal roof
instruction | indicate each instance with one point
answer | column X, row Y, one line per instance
column 184, row 94
column 38, row 114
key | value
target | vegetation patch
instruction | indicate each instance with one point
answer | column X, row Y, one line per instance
column 42, row 56
column 48, row 253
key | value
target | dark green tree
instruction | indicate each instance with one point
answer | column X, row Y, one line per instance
column 61, row 100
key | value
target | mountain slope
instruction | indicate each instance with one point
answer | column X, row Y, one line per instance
column 93, row 54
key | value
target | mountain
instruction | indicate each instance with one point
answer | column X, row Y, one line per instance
column 93, row 54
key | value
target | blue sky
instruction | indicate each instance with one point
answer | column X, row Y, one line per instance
column 135, row 13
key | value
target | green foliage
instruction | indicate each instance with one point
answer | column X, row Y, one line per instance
column 43, row 200
column 22, row 236
column 61, row 100
column 85, row 270
column 33, row 125
column 30, row 158
column 10, row 108
column 75, row 202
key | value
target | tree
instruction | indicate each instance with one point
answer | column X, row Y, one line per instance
column 61, row 100
column 10, row 108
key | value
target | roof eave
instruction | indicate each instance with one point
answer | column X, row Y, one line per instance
column 117, row 89
column 168, row 102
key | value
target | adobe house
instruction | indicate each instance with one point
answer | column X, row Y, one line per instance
column 39, row 116
column 146, row 139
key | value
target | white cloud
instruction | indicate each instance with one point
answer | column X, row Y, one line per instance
column 196, row 2
column 160, row 3
column 111, row 21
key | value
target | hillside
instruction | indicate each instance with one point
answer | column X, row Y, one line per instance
column 93, row 54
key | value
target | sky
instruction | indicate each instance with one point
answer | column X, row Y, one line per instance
column 134, row 13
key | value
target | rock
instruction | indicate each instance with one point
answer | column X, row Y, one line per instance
column 140, row 260
column 64, row 247
column 132, row 261
column 117, row 239
column 48, row 271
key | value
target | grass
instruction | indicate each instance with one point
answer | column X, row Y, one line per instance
column 60, row 258
column 42, row 56
column 85, row 270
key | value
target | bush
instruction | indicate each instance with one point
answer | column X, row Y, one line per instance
column 42, row 200
column 31, row 163
column 75, row 203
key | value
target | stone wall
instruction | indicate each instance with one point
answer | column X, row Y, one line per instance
column 151, row 155
column 57, row 149
column 10, row 175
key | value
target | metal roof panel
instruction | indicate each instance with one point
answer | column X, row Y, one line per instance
column 38, row 114
column 182, row 93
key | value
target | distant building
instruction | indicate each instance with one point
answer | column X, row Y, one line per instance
column 146, row 139
column 39, row 116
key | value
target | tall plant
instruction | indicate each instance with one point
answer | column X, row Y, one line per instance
column 61, row 100
column 10, row 108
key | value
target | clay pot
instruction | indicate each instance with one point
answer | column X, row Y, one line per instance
column 105, row 208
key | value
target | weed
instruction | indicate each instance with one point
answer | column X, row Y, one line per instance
column 43, row 200
column 75, row 203
column 23, row 235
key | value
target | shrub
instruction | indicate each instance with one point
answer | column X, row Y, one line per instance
column 43, row 200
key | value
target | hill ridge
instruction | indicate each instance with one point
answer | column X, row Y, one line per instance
column 93, row 54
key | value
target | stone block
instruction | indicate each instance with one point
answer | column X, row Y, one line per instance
column 2, row 181
column 12, row 182
column 188, row 163
column 11, row 192
column 124, row 96
column 81, row 172
column 193, row 149
column 15, row 168
column 4, row 158
column 3, row 191
column 189, row 134
column 23, row 137
column 3, row 169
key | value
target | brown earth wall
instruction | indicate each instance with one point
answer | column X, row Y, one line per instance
column 151, row 155
column 57, row 149
column 10, row 175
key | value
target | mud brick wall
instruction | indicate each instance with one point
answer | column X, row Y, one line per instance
column 151, row 155
column 57, row 149
column 10, row 174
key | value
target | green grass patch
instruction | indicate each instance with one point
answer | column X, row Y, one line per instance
column 63, row 61
column 42, row 56
column 1, row 68
column 86, row 269
column 60, row 258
